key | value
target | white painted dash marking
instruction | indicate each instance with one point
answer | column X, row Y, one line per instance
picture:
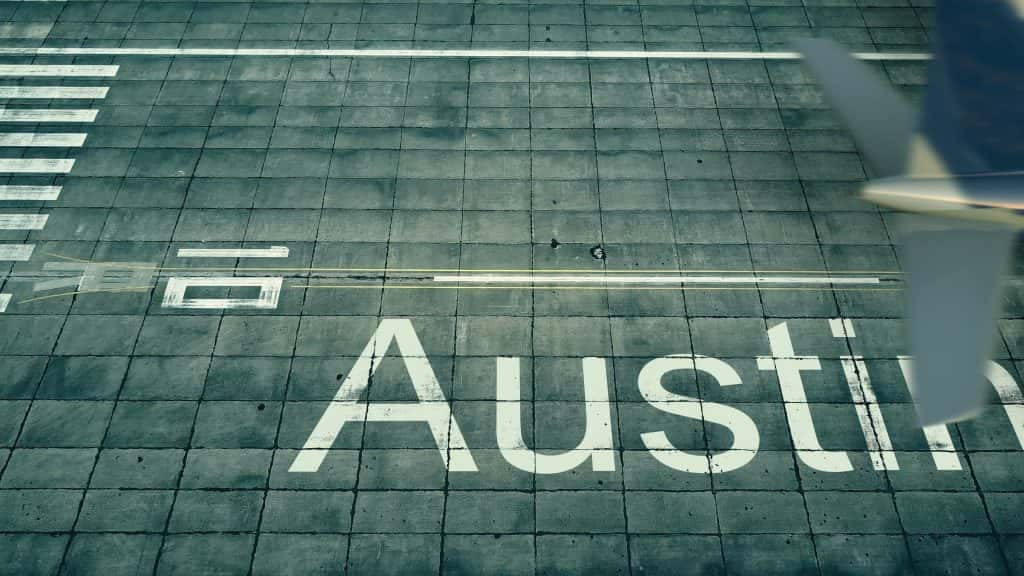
column 31, row 193
column 433, row 53
column 629, row 279
column 16, row 252
column 76, row 70
column 23, row 221
column 5, row 299
column 842, row 327
column 54, row 92
column 272, row 252
column 25, row 29
column 46, row 115
column 42, row 140
column 36, row 165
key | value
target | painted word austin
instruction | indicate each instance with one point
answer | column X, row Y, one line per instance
column 596, row 449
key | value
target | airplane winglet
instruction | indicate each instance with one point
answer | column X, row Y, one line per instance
column 881, row 120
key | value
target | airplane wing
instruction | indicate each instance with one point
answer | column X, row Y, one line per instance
column 881, row 121
column 953, row 286
column 971, row 115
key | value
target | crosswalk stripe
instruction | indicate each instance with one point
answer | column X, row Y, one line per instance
column 54, row 92
column 77, row 70
column 16, row 252
column 46, row 115
column 25, row 29
column 23, row 221
column 31, row 193
column 36, row 165
column 36, row 140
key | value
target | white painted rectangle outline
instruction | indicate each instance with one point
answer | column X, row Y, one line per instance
column 69, row 70
column 42, row 140
column 270, row 292
column 36, row 165
column 47, row 115
column 16, row 252
column 32, row 193
column 272, row 252
column 23, row 221
column 54, row 92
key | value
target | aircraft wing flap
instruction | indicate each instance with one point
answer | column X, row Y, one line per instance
column 954, row 285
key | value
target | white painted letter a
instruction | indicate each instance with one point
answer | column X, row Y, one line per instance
column 431, row 408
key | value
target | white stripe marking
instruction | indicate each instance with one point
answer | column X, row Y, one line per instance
column 876, row 434
column 16, row 252
column 46, row 115
column 624, row 279
column 77, row 70
column 23, row 221
column 59, row 92
column 272, row 252
column 472, row 53
column 270, row 291
column 25, row 30
column 5, row 299
column 34, row 193
column 38, row 140
column 36, row 165
column 842, row 327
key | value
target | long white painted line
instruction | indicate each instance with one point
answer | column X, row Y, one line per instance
column 433, row 53
column 16, row 252
column 622, row 279
column 54, row 92
column 36, row 165
column 77, row 70
column 46, row 115
column 23, row 221
column 272, row 252
column 33, row 193
column 34, row 140
column 5, row 299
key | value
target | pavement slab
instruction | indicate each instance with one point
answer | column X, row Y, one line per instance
column 328, row 312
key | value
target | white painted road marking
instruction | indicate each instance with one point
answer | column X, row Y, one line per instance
column 78, row 70
column 32, row 193
column 5, row 299
column 39, row 140
column 16, row 252
column 270, row 291
column 623, row 279
column 36, row 165
column 469, row 53
column 23, row 221
column 58, row 92
column 25, row 30
column 46, row 115
column 869, row 414
column 272, row 252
